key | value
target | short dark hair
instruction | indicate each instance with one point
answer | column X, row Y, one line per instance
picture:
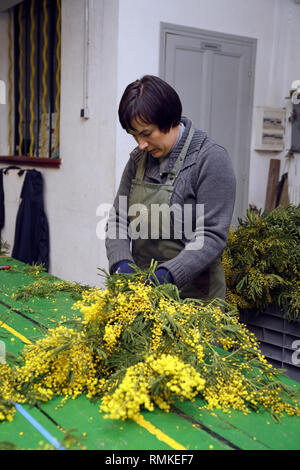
column 152, row 101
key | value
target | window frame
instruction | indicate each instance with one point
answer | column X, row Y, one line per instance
column 22, row 156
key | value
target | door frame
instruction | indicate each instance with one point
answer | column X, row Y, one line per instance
column 211, row 36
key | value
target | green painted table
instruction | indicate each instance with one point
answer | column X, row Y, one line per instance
column 188, row 427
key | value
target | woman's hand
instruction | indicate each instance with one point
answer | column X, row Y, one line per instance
column 123, row 267
column 163, row 276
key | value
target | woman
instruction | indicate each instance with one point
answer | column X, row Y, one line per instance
column 182, row 184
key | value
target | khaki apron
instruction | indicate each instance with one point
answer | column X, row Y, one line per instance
column 144, row 195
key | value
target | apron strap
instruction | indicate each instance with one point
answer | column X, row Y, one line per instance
column 141, row 167
column 173, row 173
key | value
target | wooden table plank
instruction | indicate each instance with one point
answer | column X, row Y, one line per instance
column 22, row 435
column 104, row 433
column 255, row 431
column 188, row 426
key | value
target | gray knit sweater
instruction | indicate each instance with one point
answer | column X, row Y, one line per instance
column 207, row 178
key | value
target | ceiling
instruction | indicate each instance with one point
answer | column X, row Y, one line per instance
column 5, row 4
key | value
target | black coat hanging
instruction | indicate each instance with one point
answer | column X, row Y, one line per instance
column 31, row 244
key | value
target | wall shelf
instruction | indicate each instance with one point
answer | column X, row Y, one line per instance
column 32, row 161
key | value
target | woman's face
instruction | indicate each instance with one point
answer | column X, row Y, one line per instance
column 150, row 138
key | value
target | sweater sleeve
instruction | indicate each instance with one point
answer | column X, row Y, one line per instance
column 117, row 241
column 215, row 187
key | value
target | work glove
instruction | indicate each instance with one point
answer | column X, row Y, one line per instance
column 162, row 275
column 123, row 267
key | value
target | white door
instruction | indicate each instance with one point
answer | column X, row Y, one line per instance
column 213, row 74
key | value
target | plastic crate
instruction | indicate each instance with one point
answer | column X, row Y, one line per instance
column 279, row 338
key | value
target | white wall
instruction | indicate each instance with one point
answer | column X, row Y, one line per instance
column 275, row 24
column 85, row 178
column 4, row 77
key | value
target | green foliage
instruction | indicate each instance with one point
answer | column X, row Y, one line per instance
column 48, row 287
column 262, row 260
